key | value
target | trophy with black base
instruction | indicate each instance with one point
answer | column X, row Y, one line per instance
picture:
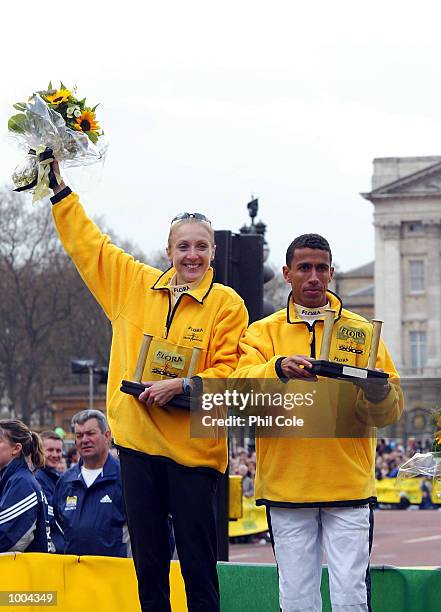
column 334, row 369
column 135, row 387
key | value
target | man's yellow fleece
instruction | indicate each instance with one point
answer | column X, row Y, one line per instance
column 137, row 299
column 322, row 471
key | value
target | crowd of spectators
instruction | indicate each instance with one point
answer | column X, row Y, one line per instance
column 54, row 497
column 243, row 463
column 391, row 454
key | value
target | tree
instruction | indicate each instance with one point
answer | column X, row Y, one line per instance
column 47, row 314
column 34, row 297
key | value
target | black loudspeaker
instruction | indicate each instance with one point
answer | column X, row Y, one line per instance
column 239, row 264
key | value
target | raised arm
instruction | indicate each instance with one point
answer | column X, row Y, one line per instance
column 106, row 269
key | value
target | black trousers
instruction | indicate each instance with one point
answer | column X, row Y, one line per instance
column 153, row 489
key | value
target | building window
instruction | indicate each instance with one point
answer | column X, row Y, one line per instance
column 414, row 227
column 418, row 349
column 416, row 269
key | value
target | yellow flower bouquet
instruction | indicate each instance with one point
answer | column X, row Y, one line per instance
column 54, row 124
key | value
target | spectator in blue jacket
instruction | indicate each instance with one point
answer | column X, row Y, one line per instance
column 23, row 520
column 88, row 501
column 48, row 477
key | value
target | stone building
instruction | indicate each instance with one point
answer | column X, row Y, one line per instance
column 356, row 288
column 406, row 194
column 403, row 286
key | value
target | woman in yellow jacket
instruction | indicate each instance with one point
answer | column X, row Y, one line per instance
column 165, row 471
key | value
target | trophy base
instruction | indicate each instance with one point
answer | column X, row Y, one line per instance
column 332, row 369
column 131, row 387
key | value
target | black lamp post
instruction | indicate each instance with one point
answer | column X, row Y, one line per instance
column 87, row 366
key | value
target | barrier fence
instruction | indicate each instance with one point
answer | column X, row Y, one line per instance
column 103, row 583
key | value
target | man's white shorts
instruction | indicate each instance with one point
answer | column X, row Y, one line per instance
column 300, row 534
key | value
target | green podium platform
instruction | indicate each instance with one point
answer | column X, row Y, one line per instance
column 254, row 587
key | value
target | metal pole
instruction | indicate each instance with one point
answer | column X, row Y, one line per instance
column 222, row 502
column 90, row 387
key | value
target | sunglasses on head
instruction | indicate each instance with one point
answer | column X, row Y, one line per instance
column 186, row 215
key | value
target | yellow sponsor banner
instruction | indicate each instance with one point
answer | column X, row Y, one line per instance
column 388, row 490
column 36, row 580
column 235, row 499
column 436, row 492
column 253, row 519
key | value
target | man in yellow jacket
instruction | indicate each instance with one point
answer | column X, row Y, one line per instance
column 318, row 491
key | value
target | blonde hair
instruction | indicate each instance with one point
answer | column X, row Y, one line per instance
column 16, row 432
column 179, row 223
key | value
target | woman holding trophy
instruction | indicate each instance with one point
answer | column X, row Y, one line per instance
column 166, row 327
column 165, row 471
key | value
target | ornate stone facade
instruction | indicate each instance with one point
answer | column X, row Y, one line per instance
column 406, row 196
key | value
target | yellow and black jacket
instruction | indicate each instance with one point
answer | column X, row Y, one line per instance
column 316, row 471
column 137, row 299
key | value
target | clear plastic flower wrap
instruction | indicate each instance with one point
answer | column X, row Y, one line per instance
column 54, row 124
column 427, row 465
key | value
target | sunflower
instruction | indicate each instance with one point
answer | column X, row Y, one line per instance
column 87, row 122
column 60, row 96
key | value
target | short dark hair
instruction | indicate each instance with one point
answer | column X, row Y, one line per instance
column 71, row 452
column 308, row 241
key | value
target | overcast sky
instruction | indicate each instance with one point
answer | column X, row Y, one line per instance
column 205, row 104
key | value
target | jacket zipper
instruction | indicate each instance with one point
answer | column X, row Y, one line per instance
column 313, row 352
column 171, row 313
column 312, row 349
